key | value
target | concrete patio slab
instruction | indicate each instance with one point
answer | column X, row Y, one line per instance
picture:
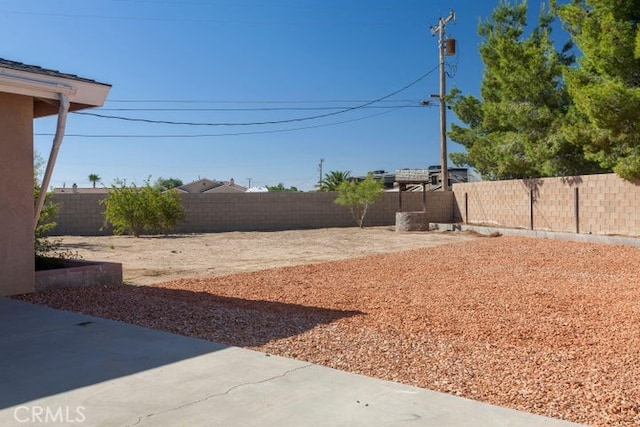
column 62, row 368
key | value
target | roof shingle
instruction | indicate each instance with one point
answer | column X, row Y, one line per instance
column 19, row 66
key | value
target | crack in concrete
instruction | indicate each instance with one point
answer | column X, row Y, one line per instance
column 224, row 393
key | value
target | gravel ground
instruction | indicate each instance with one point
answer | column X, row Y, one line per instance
column 537, row 325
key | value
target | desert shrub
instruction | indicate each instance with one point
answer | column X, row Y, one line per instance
column 359, row 196
column 142, row 210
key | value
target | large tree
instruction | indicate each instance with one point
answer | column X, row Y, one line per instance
column 515, row 129
column 164, row 184
column 281, row 188
column 605, row 86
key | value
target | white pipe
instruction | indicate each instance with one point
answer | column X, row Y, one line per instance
column 63, row 111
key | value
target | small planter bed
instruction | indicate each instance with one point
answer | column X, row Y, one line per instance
column 54, row 273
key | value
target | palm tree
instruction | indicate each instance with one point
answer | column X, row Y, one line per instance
column 332, row 180
column 94, row 178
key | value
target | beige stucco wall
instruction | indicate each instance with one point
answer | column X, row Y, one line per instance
column 16, row 195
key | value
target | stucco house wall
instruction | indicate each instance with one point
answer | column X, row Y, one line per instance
column 17, row 269
column 28, row 92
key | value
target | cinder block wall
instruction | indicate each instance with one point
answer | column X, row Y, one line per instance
column 79, row 215
column 598, row 204
column 605, row 204
column 82, row 214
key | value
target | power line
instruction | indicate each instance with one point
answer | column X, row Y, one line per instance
column 122, row 136
column 198, row 20
column 255, row 109
column 268, row 122
column 245, row 101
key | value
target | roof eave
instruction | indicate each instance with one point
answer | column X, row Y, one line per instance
column 46, row 90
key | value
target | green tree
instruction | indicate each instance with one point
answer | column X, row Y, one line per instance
column 515, row 129
column 359, row 196
column 281, row 187
column 94, row 178
column 142, row 210
column 605, row 86
column 164, row 184
column 332, row 180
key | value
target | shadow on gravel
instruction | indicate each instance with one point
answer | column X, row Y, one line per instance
column 232, row 321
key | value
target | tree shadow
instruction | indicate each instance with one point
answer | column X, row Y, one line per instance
column 533, row 185
column 572, row 180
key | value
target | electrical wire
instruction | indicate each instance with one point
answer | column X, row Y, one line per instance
column 253, row 109
column 453, row 67
column 268, row 122
column 280, row 101
column 122, row 136
column 200, row 20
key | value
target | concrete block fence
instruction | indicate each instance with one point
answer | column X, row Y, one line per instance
column 589, row 204
column 82, row 214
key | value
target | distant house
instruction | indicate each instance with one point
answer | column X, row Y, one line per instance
column 206, row 186
column 257, row 190
column 387, row 179
column 430, row 176
column 201, row 186
column 413, row 179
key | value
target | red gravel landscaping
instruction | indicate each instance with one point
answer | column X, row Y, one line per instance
column 542, row 326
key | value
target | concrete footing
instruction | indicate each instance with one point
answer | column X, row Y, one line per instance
column 412, row 221
column 79, row 274
column 544, row 234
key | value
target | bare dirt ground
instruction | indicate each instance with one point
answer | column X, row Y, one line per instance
column 149, row 260
column 548, row 327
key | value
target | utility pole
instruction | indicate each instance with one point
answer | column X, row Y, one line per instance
column 444, row 167
column 320, row 169
column 249, row 182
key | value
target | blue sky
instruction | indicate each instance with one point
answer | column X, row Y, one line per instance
column 241, row 62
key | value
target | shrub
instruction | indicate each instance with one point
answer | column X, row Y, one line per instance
column 359, row 196
column 142, row 210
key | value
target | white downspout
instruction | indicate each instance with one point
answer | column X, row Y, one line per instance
column 63, row 111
